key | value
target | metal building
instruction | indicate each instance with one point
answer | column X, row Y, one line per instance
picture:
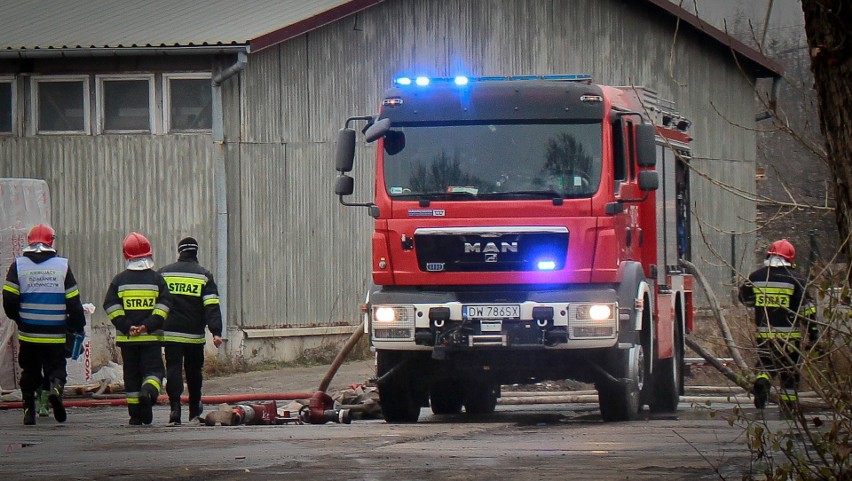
column 218, row 119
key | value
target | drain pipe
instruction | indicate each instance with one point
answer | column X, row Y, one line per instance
column 221, row 185
column 773, row 100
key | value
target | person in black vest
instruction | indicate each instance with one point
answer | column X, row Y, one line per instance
column 782, row 308
column 40, row 294
column 195, row 306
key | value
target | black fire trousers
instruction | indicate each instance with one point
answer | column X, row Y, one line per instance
column 779, row 358
column 189, row 358
column 143, row 364
column 40, row 363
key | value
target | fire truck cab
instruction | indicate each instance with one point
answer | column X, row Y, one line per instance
column 526, row 229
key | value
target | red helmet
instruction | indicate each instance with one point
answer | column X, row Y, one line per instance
column 136, row 246
column 782, row 248
column 41, row 234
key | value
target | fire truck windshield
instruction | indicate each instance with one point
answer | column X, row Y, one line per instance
column 492, row 161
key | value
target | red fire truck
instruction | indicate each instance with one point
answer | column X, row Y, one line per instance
column 526, row 229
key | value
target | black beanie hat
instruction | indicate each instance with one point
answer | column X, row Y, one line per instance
column 188, row 245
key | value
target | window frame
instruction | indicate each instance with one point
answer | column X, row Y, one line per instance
column 167, row 101
column 100, row 80
column 13, row 99
column 36, row 80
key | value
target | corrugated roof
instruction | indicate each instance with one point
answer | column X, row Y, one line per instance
column 61, row 27
column 112, row 24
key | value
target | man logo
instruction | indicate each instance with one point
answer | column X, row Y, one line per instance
column 490, row 247
column 490, row 257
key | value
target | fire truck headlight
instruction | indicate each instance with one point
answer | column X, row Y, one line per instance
column 384, row 314
column 461, row 80
column 594, row 312
column 393, row 323
column 600, row 312
column 422, row 81
column 592, row 321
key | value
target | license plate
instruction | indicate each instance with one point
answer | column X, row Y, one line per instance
column 502, row 311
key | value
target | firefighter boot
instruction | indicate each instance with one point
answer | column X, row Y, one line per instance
column 195, row 410
column 29, row 409
column 761, row 391
column 133, row 411
column 174, row 414
column 55, row 399
column 147, row 399
column 43, row 410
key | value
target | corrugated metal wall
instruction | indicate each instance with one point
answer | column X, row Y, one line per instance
column 305, row 258
column 103, row 187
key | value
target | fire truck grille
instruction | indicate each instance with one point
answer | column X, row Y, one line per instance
column 503, row 252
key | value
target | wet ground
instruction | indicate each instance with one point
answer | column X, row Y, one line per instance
column 519, row 442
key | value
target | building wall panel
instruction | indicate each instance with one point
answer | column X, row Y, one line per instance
column 104, row 187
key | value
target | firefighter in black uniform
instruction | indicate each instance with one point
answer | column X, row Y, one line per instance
column 195, row 305
column 137, row 302
column 782, row 310
column 40, row 294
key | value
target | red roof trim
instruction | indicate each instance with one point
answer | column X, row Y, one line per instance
column 765, row 65
column 308, row 24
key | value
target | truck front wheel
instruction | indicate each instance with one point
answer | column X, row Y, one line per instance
column 621, row 401
column 480, row 398
column 396, row 398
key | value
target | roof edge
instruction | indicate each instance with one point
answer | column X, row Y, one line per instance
column 344, row 10
column 119, row 51
column 766, row 66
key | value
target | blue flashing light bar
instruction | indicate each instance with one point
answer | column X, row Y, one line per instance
column 462, row 80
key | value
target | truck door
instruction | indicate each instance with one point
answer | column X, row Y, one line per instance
column 628, row 226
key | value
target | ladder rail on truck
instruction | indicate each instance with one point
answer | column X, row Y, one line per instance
column 526, row 229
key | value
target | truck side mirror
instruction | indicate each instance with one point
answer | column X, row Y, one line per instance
column 377, row 130
column 646, row 151
column 345, row 155
column 344, row 185
column 649, row 180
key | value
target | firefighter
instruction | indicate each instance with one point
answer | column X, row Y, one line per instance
column 41, row 296
column 137, row 302
column 195, row 304
column 782, row 308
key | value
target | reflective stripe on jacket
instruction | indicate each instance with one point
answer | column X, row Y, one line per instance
column 195, row 302
column 780, row 301
column 137, row 298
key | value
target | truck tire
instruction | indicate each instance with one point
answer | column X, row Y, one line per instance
column 622, row 401
column 668, row 377
column 446, row 397
column 480, row 398
column 398, row 403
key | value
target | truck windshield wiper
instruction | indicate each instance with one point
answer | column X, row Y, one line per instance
column 448, row 196
column 535, row 194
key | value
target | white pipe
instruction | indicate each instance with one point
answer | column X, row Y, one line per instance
column 221, row 185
